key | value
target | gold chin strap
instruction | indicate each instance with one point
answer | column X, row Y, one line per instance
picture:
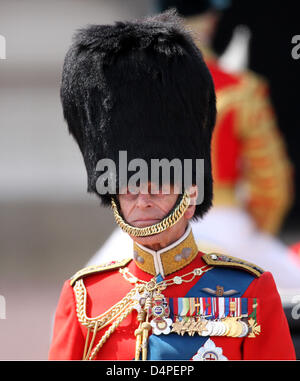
column 164, row 224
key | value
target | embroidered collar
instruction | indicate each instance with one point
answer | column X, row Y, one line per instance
column 169, row 259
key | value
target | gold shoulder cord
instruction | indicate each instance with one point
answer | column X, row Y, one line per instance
column 119, row 312
column 167, row 222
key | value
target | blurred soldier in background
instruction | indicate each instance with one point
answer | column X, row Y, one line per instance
column 271, row 53
column 251, row 171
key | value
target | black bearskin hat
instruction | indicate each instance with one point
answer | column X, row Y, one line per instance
column 140, row 87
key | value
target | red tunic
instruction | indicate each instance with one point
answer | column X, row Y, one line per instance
column 104, row 289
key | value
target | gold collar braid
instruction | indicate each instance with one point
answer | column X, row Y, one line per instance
column 169, row 259
column 164, row 224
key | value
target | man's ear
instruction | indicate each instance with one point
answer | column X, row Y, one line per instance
column 193, row 192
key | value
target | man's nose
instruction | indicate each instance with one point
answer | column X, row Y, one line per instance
column 144, row 201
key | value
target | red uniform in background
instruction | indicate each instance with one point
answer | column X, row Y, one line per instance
column 248, row 149
column 253, row 178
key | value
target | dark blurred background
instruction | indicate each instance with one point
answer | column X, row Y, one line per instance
column 49, row 226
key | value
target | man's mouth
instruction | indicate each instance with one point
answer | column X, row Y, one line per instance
column 145, row 222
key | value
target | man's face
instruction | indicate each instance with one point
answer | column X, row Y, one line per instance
column 144, row 209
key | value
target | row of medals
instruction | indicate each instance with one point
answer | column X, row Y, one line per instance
column 229, row 326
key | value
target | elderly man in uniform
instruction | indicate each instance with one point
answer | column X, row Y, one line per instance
column 143, row 87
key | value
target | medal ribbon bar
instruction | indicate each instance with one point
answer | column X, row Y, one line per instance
column 214, row 316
